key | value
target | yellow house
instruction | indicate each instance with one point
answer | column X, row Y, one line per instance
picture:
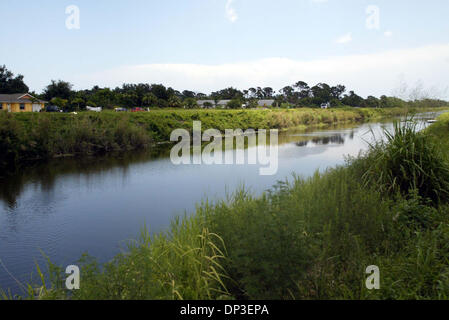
column 20, row 102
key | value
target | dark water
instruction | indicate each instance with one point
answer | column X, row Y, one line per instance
column 67, row 207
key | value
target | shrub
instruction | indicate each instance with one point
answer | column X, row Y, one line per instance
column 10, row 140
column 407, row 161
column 299, row 238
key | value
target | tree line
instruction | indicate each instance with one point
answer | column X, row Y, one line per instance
column 297, row 95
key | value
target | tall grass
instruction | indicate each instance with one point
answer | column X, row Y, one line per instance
column 42, row 136
column 296, row 240
column 407, row 161
column 440, row 131
column 184, row 263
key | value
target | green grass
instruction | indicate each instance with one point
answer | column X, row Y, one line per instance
column 407, row 161
column 308, row 239
column 184, row 263
column 32, row 136
column 439, row 131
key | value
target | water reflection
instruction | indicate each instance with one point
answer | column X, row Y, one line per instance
column 43, row 176
column 326, row 140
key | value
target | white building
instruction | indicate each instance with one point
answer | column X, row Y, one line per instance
column 224, row 103
column 99, row 109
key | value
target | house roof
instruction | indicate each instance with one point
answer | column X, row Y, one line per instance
column 201, row 102
column 17, row 98
column 219, row 102
column 213, row 101
column 265, row 102
column 261, row 103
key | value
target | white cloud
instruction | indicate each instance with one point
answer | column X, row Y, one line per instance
column 344, row 39
column 376, row 73
column 388, row 34
column 230, row 11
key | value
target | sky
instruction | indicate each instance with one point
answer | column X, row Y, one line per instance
column 373, row 47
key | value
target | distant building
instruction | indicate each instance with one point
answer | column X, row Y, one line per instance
column 223, row 103
column 206, row 104
column 325, row 105
column 265, row 103
column 212, row 104
column 98, row 109
column 20, row 102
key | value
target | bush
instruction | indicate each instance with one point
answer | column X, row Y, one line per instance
column 288, row 243
column 25, row 137
column 415, row 213
column 408, row 161
column 10, row 136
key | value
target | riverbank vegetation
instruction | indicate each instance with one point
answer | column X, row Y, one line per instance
column 28, row 137
column 39, row 136
column 304, row 239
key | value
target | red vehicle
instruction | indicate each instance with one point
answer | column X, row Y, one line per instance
column 138, row 110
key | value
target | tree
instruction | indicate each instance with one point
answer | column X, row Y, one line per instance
column 252, row 93
column 303, row 89
column 287, row 91
column 268, row 92
column 103, row 97
column 288, row 94
column 78, row 102
column 234, row 104
column 208, row 105
column 91, row 104
column 61, row 103
column 58, row 89
column 150, row 100
column 10, row 84
column 338, row 91
column 252, row 104
column 227, row 94
column 190, row 103
column 259, row 93
column 160, row 91
column 372, row 102
column 391, row 102
column 352, row 99
column 129, row 100
column 322, row 93
column 188, row 94
column 174, row 102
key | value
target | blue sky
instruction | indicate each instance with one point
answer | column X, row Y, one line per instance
column 205, row 45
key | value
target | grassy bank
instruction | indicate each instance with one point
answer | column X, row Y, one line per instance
column 440, row 131
column 309, row 239
column 35, row 136
column 31, row 136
